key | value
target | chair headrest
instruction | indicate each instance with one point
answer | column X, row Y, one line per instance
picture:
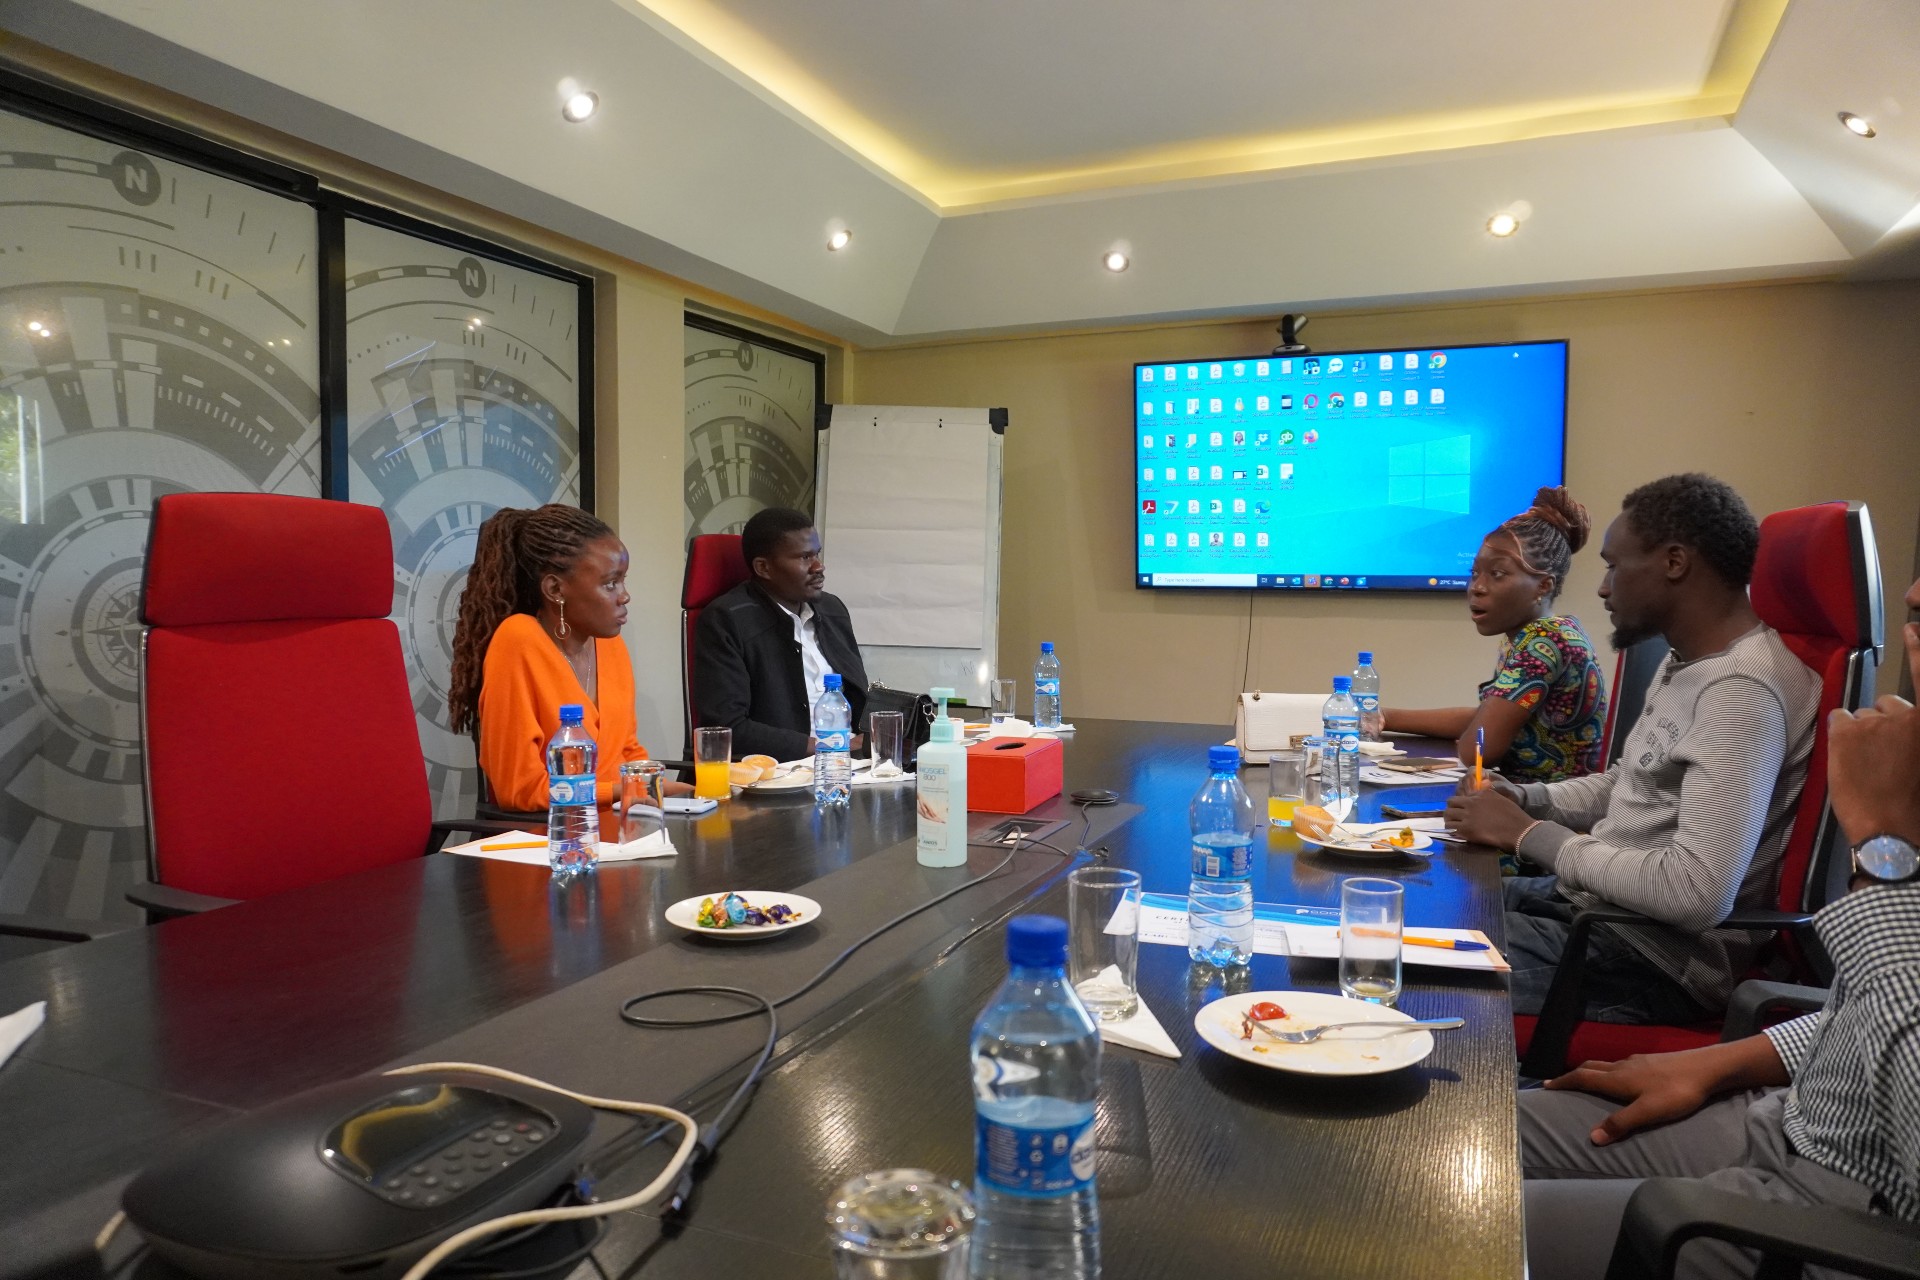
column 1803, row 578
column 264, row 557
column 714, row 567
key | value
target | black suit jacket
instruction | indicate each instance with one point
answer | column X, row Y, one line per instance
column 747, row 672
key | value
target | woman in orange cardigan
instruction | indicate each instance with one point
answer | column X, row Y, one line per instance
column 539, row 626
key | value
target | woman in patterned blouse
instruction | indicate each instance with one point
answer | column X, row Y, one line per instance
column 1545, row 709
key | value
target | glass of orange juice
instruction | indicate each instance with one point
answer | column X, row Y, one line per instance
column 712, row 763
column 1286, row 786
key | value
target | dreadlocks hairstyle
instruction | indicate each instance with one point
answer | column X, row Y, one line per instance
column 1701, row 512
column 1549, row 532
column 517, row 548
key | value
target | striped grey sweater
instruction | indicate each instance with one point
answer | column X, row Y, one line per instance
column 1691, row 821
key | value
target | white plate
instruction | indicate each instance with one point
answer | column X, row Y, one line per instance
column 1365, row 848
column 1340, row 1053
column 684, row 913
column 797, row 775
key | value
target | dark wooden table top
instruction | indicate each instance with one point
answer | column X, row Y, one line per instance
column 1204, row 1160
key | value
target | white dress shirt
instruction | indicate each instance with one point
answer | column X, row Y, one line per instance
column 813, row 663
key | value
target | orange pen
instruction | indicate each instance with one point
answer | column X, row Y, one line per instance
column 1479, row 745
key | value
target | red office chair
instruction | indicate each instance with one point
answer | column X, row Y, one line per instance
column 714, row 567
column 1816, row 582
column 281, row 748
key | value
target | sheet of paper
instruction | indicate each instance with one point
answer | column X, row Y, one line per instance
column 1323, row 942
column 498, row 848
column 908, row 537
column 1281, row 929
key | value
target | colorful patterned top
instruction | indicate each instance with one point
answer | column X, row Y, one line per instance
column 1549, row 670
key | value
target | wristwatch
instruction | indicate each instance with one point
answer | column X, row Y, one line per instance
column 1886, row 858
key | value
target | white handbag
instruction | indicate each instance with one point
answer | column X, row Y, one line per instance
column 1267, row 722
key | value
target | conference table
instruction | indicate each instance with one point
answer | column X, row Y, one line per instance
column 1203, row 1163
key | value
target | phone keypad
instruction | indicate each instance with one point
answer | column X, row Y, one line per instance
column 465, row 1163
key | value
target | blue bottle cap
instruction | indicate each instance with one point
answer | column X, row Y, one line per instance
column 1342, row 684
column 1223, row 759
column 1037, row 942
column 1366, row 657
column 832, row 680
column 1046, row 646
column 572, row 713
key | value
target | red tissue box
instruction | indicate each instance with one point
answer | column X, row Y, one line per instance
column 1013, row 775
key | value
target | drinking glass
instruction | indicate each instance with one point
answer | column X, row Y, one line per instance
column 886, row 738
column 713, row 763
column 1103, row 922
column 1003, row 700
column 642, row 799
column 900, row 1224
column 1371, row 913
column 1286, row 785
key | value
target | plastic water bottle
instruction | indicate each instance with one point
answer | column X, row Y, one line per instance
column 1046, row 688
column 832, row 745
column 573, row 813
column 1036, row 1073
column 1340, row 726
column 1366, row 695
column 1220, row 898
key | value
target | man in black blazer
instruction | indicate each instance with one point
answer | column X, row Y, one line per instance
column 762, row 649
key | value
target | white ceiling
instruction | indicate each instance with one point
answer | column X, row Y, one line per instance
column 1250, row 158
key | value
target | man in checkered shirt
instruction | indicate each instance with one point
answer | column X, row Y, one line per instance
column 1821, row 1110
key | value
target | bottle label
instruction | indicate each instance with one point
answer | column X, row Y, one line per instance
column 1047, row 688
column 571, row 789
column 1218, row 862
column 1369, row 702
column 1041, row 1163
column 934, row 794
column 835, row 740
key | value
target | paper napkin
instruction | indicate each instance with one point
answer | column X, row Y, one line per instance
column 1140, row 1029
column 16, row 1027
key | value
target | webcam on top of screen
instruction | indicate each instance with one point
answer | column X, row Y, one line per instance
column 1290, row 326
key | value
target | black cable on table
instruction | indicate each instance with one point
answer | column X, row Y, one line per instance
column 711, row 1135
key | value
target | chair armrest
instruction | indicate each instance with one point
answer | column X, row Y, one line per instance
column 1754, row 999
column 164, row 902
column 675, row 764
column 1665, row 1213
column 1755, row 918
column 56, row 928
column 1560, row 1012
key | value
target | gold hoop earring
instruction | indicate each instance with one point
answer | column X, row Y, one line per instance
column 562, row 628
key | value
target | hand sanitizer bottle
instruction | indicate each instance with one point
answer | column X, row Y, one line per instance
column 941, row 783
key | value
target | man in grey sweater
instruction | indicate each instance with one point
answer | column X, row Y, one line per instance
column 1692, row 820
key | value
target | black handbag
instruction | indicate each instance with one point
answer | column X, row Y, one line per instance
column 916, row 710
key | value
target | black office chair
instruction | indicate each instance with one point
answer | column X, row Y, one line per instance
column 1665, row 1213
column 1632, row 677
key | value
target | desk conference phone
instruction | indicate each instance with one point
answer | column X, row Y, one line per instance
column 359, row 1178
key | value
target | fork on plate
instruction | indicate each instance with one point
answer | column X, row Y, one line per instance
column 1307, row 1035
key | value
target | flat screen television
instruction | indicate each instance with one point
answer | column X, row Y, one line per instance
column 1343, row 471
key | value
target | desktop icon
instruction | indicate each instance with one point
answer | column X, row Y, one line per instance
column 1193, row 407
column 1171, row 540
column 1239, row 506
column 1359, row 399
column 1192, row 439
column 1146, row 408
column 1286, row 438
column 1286, row 471
column 1146, row 375
column 1412, row 361
column 1312, row 437
column 1261, row 472
column 1215, row 473
column 1262, row 440
column 1213, row 405
column 1193, row 474
column 1262, row 508
column 1260, row 539
column 1170, row 442
column 1173, row 473
column 1286, row 402
column 1261, row 404
column 1337, row 400
column 1311, row 402
column 1239, row 439
column 1150, row 506
column 1386, row 364
column 1239, row 369
column 1260, row 369
column 1193, row 506
column 1438, row 360
column 1213, row 507
column 1313, row 580
column 1239, row 405
column 1411, row 397
column 1216, row 539
column 1146, row 442
column 1166, row 407
column 1311, row 366
column 1193, row 373
column 1437, row 395
column 1147, row 539
column 1239, row 539
column 1215, row 439
column 1335, row 365
column 1213, row 371
column 1193, row 539
column 1148, row 475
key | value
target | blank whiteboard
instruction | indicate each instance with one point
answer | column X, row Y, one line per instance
column 908, row 507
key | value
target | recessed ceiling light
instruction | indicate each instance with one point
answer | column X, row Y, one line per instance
column 839, row 239
column 580, row 106
column 1117, row 261
column 36, row 326
column 1502, row 225
column 1856, row 124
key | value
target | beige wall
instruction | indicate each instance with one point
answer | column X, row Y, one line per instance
column 1792, row 393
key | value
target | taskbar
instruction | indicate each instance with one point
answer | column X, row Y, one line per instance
column 1304, row 581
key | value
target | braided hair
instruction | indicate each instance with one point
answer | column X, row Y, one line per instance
column 517, row 548
column 1548, row 533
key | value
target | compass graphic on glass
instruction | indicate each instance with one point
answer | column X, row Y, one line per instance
column 749, row 431
column 462, row 399
column 157, row 335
